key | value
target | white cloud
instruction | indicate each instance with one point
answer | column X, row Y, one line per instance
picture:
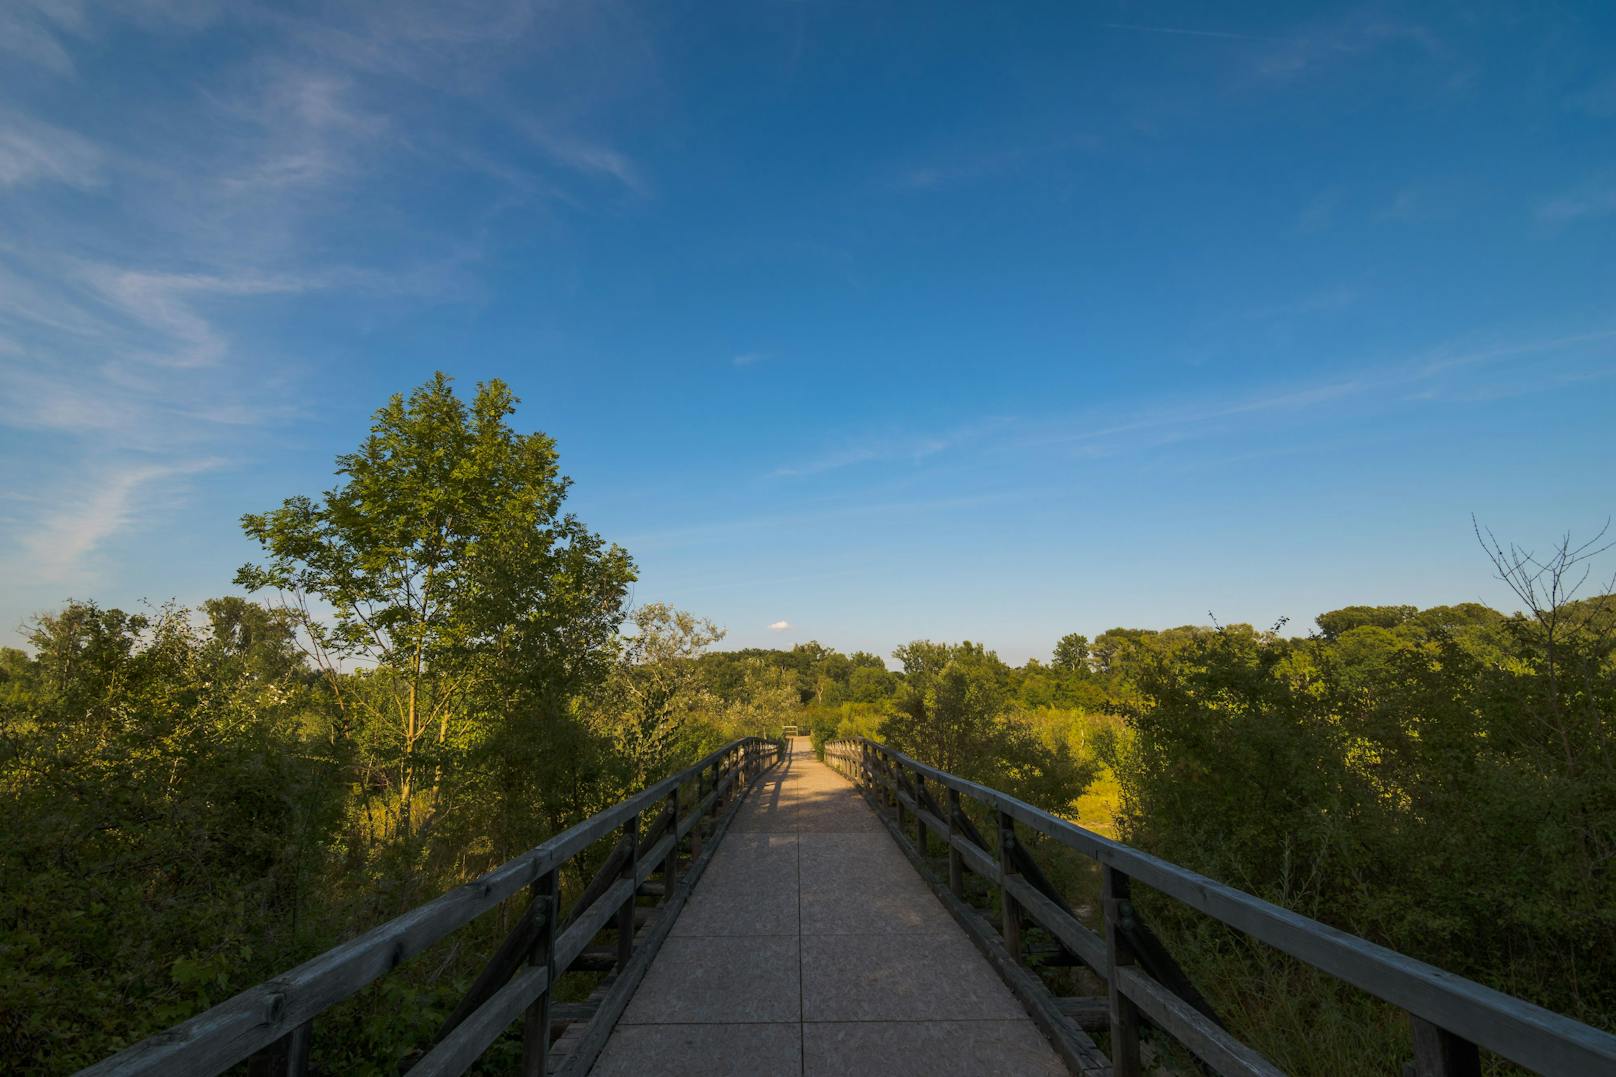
column 748, row 358
column 35, row 152
column 59, row 545
column 1565, row 208
column 780, row 626
column 166, row 304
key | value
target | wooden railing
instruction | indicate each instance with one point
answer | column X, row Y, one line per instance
column 273, row 1024
column 1452, row 1018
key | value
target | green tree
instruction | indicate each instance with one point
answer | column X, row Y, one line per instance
column 442, row 553
column 1071, row 653
column 657, row 697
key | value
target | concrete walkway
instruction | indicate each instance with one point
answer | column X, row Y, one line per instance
column 810, row 946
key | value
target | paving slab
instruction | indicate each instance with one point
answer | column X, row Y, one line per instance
column 750, row 888
column 709, row 979
column 702, row 1051
column 927, row 1049
column 810, row 945
column 851, row 881
column 889, row 977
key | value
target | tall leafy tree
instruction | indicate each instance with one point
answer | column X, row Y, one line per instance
column 441, row 555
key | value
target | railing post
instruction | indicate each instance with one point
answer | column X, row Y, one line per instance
column 1439, row 1053
column 670, row 866
column 536, row 1022
column 625, row 914
column 1010, row 911
column 956, row 862
column 1115, row 890
column 920, row 820
column 287, row 1056
column 897, row 792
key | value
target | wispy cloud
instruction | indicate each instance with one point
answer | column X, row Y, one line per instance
column 748, row 359
column 34, row 31
column 1184, row 31
column 1595, row 200
column 59, row 546
column 1375, row 386
column 167, row 304
column 893, row 448
column 35, row 152
column 780, row 626
column 133, row 352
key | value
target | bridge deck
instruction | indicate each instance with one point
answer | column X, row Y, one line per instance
column 810, row 946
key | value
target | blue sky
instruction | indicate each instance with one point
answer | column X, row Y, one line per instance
column 886, row 321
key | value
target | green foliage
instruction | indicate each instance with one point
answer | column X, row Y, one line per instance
column 164, row 818
column 954, row 712
column 1417, row 778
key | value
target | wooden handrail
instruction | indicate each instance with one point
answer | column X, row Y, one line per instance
column 282, row 1008
column 1451, row 1016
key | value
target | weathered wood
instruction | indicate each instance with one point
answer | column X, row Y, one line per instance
column 1088, row 946
column 1529, row 1035
column 610, row 870
column 1118, row 956
column 975, row 857
column 1153, row 956
column 1209, row 1042
column 625, row 913
column 921, row 844
column 278, row 1008
column 536, row 1021
column 1091, row 1012
column 1439, row 1053
column 670, row 863
column 956, row 863
column 1076, row 1049
column 576, row 938
column 512, row 954
column 587, row 1047
column 599, row 959
column 287, row 1056
column 457, row 1051
column 1009, row 911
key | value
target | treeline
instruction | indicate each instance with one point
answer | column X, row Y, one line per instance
column 438, row 668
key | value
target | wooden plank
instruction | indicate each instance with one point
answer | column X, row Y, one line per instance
column 1066, row 928
column 590, row 922
column 1074, row 1046
column 1009, row 911
column 1529, row 1035
column 1439, row 1053
column 1091, row 1012
column 536, row 1021
column 1118, row 956
column 457, row 1051
column 974, row 858
column 238, row 1027
column 587, row 1046
column 511, row 954
column 1210, row 1043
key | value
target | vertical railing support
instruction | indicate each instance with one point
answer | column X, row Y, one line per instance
column 898, row 772
column 670, row 865
column 956, row 862
column 1440, row 1053
column 1009, row 909
column 625, row 914
column 1115, row 892
column 287, row 1056
column 920, row 820
column 695, row 830
column 536, row 1021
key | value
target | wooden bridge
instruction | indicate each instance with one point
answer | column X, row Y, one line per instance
column 765, row 914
